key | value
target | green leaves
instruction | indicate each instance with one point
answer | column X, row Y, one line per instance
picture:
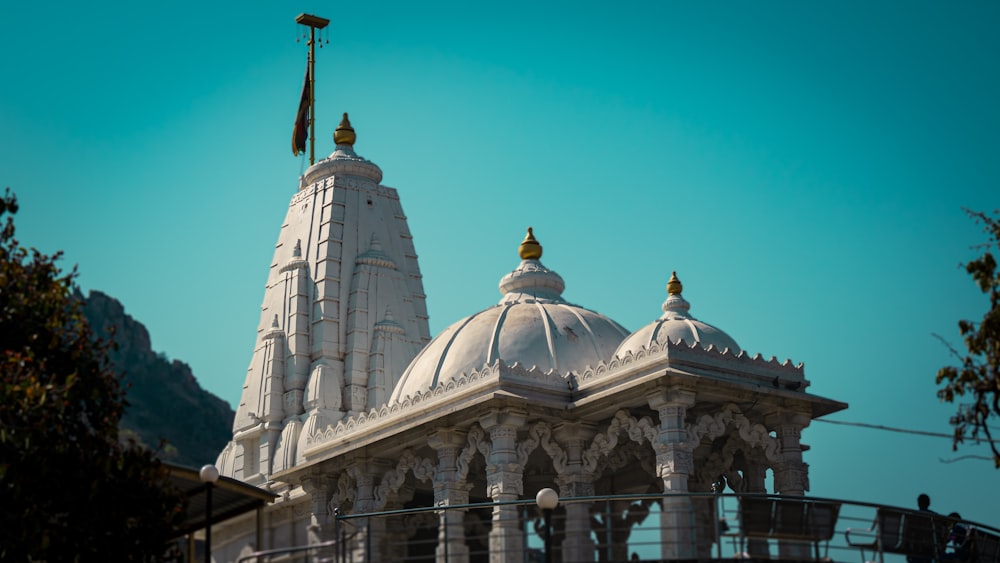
column 70, row 490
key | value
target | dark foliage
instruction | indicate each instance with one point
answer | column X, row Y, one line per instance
column 979, row 373
column 70, row 490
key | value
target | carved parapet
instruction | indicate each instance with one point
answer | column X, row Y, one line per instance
column 497, row 372
column 784, row 375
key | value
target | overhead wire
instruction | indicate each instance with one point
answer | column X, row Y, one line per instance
column 902, row 430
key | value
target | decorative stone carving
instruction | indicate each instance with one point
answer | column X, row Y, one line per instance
column 363, row 473
column 791, row 477
column 359, row 397
column 477, row 442
column 674, row 459
column 575, row 486
column 344, row 489
column 751, row 367
column 422, row 468
column 504, row 481
column 720, row 462
column 502, row 432
column 713, row 426
column 638, row 430
column 541, row 434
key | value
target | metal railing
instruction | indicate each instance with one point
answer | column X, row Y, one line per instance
column 635, row 527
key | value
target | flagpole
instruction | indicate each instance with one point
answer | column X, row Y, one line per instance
column 313, row 23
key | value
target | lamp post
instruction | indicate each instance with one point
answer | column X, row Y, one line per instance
column 209, row 474
column 547, row 500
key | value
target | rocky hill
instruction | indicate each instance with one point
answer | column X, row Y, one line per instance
column 165, row 400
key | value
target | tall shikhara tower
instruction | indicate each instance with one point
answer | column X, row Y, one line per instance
column 343, row 314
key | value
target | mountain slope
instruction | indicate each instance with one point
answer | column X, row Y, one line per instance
column 165, row 400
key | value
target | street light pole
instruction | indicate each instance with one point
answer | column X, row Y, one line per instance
column 547, row 500
column 209, row 474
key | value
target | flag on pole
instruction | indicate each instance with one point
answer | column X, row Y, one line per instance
column 301, row 130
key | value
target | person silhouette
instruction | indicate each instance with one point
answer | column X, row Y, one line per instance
column 918, row 533
column 958, row 540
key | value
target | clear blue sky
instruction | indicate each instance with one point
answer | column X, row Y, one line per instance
column 802, row 165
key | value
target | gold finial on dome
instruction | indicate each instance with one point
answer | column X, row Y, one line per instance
column 344, row 133
column 674, row 286
column 530, row 249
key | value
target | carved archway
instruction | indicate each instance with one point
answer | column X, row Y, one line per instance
column 422, row 468
column 641, row 430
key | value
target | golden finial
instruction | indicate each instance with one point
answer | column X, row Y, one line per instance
column 344, row 133
column 674, row 286
column 530, row 249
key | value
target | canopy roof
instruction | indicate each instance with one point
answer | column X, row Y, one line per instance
column 230, row 498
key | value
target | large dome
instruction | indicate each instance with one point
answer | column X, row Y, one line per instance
column 677, row 324
column 532, row 325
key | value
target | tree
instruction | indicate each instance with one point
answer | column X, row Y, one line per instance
column 70, row 490
column 978, row 375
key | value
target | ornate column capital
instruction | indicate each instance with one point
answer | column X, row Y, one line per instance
column 503, row 418
column 574, row 431
column 445, row 438
column 367, row 474
column 786, row 417
column 673, row 396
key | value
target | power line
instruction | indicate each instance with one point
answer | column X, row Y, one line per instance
column 901, row 430
column 982, row 457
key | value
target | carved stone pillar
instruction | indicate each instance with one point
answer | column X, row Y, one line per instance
column 674, row 465
column 504, row 481
column 791, row 475
column 319, row 489
column 575, row 482
column 367, row 475
column 393, row 542
column 754, row 474
column 450, row 491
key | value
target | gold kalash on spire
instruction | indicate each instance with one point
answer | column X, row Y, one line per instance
column 674, row 286
column 530, row 248
column 305, row 119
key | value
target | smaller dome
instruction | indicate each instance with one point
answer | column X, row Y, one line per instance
column 532, row 326
column 676, row 324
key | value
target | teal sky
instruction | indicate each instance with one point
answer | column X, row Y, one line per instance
column 802, row 165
